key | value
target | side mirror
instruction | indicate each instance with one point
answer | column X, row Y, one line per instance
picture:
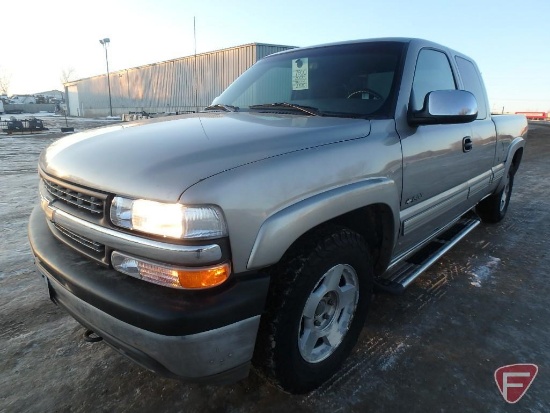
column 445, row 106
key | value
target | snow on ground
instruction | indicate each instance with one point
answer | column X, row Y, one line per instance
column 481, row 274
column 50, row 115
column 54, row 122
column 433, row 349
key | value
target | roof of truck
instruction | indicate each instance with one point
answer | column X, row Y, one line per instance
column 425, row 43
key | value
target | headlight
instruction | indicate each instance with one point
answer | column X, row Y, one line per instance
column 168, row 220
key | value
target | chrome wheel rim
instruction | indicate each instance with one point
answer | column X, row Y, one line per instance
column 328, row 313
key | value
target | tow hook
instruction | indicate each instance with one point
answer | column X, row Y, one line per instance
column 91, row 337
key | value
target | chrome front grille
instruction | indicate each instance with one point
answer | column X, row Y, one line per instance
column 82, row 200
column 88, row 243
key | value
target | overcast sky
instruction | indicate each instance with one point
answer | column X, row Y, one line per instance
column 509, row 39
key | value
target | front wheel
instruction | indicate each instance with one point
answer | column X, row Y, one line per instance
column 316, row 310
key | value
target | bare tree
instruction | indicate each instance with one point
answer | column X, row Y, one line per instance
column 67, row 75
column 5, row 81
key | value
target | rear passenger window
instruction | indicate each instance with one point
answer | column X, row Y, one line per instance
column 433, row 72
column 472, row 83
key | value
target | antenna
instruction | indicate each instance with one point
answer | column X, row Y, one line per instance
column 195, row 65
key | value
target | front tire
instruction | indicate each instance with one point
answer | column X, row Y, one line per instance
column 316, row 309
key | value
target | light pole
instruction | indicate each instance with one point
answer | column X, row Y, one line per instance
column 105, row 42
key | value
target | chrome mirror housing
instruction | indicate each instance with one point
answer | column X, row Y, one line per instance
column 445, row 106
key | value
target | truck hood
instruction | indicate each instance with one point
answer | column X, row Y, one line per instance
column 158, row 159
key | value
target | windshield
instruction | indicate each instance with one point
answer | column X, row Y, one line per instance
column 351, row 79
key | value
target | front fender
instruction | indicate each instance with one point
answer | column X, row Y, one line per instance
column 282, row 229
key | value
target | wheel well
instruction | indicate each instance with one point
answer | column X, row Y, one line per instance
column 516, row 160
column 374, row 223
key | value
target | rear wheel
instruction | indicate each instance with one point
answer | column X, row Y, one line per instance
column 316, row 310
column 493, row 208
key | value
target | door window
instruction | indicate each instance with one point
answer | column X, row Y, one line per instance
column 472, row 83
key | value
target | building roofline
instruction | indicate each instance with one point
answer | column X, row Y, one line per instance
column 72, row 82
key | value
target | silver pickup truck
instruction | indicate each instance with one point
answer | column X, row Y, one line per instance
column 257, row 231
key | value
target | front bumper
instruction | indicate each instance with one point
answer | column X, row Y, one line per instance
column 198, row 336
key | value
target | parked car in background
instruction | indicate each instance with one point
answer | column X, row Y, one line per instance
column 20, row 99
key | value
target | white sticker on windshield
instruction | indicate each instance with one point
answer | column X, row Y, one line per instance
column 300, row 75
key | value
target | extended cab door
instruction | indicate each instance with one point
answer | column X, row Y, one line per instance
column 440, row 161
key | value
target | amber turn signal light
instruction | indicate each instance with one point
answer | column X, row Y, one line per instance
column 169, row 275
column 203, row 277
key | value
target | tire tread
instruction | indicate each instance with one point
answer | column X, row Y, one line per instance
column 320, row 245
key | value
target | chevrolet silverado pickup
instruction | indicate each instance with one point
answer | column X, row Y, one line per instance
column 255, row 232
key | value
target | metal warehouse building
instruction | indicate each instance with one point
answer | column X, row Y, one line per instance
column 166, row 86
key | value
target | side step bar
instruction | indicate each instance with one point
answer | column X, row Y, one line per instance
column 400, row 276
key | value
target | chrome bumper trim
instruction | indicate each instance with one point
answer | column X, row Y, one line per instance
column 160, row 251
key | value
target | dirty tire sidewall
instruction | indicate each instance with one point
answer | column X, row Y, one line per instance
column 288, row 367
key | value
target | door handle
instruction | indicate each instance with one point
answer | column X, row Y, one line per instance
column 467, row 144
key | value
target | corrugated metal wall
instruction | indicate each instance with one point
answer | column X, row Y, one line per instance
column 166, row 86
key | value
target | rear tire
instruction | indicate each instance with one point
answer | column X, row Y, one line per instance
column 316, row 309
column 493, row 209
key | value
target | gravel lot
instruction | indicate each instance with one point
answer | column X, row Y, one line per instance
column 433, row 349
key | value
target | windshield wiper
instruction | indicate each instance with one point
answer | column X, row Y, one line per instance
column 221, row 106
column 345, row 115
column 310, row 110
